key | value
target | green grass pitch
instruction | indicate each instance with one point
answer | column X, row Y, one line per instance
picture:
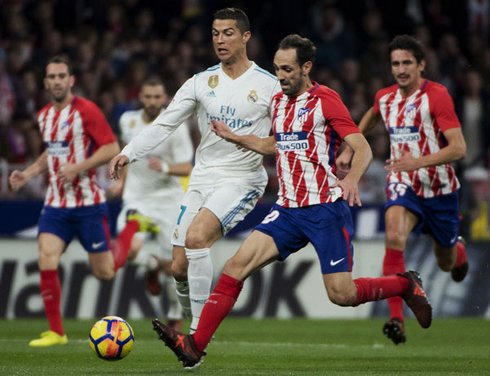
column 264, row 347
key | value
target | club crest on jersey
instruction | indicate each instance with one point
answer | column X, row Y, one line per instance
column 252, row 96
column 303, row 114
column 411, row 111
column 213, row 81
column 176, row 234
column 64, row 125
column 132, row 124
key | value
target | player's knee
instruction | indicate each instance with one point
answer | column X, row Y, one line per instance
column 395, row 239
column 342, row 297
column 47, row 260
column 104, row 274
column 195, row 239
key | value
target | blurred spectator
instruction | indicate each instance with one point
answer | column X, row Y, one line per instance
column 451, row 61
column 8, row 103
column 332, row 37
column 473, row 108
column 478, row 18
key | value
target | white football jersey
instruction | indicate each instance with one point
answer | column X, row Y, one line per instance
column 243, row 103
column 143, row 184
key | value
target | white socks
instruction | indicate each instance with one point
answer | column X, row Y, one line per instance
column 200, row 277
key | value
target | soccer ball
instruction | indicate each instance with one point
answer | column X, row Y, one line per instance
column 111, row 338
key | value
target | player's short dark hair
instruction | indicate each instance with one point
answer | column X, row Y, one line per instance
column 61, row 59
column 234, row 14
column 408, row 43
column 153, row 81
column 305, row 49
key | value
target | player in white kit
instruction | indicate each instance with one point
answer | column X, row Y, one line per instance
column 225, row 183
column 153, row 187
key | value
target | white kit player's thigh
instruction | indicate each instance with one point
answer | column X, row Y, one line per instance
column 191, row 204
column 232, row 202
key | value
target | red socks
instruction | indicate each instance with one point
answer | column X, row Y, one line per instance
column 373, row 289
column 121, row 246
column 461, row 254
column 51, row 294
column 217, row 307
column 394, row 263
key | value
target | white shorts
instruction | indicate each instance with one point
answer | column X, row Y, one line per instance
column 163, row 212
column 230, row 203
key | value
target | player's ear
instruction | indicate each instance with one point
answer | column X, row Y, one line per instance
column 72, row 80
column 306, row 68
column 246, row 36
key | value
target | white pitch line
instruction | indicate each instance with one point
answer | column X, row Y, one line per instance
column 253, row 344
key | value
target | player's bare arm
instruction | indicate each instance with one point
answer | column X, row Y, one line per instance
column 18, row 178
column 360, row 162
column 69, row 171
column 454, row 151
column 178, row 169
column 368, row 122
column 264, row 146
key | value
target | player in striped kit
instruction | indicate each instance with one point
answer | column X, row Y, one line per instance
column 78, row 139
column 225, row 183
column 309, row 123
column 422, row 189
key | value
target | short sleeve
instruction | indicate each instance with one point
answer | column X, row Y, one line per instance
column 96, row 126
column 337, row 115
column 442, row 110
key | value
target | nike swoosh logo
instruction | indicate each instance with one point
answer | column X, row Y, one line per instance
column 333, row 263
column 97, row 245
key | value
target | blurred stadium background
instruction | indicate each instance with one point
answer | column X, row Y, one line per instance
column 116, row 44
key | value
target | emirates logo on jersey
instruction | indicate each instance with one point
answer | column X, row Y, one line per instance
column 303, row 114
column 213, row 81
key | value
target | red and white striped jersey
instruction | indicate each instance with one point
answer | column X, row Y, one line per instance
column 308, row 130
column 416, row 125
column 72, row 135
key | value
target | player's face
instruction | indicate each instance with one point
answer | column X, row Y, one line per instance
column 58, row 81
column 291, row 76
column 406, row 70
column 153, row 98
column 229, row 43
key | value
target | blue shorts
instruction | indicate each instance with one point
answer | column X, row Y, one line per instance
column 438, row 216
column 89, row 223
column 327, row 226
